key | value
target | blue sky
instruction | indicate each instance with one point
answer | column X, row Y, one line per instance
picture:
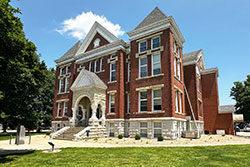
column 220, row 27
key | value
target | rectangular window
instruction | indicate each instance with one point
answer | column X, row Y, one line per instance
column 67, row 84
column 180, row 101
column 155, row 43
column 143, row 129
column 111, row 103
column 175, row 62
column 176, row 102
column 143, row 67
column 179, row 70
column 200, row 108
column 128, row 72
column 156, row 64
column 178, row 52
column 61, row 85
column 157, row 129
column 95, row 69
column 59, row 109
column 199, row 83
column 90, row 66
column 111, row 130
column 112, row 57
column 156, row 100
column 128, row 104
column 65, row 109
column 142, row 47
column 62, row 71
column 68, row 70
column 112, row 72
column 174, row 47
column 143, row 101
column 101, row 64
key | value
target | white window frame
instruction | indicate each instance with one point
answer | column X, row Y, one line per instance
column 128, row 104
column 140, row 66
column 179, row 70
column 154, row 63
column 61, row 84
column 128, row 72
column 82, row 66
column 152, row 44
column 68, row 70
column 110, row 102
column 101, row 64
column 112, row 128
column 157, row 128
column 176, row 101
column 174, row 47
column 90, row 66
column 144, row 128
column 66, row 89
column 142, row 100
column 97, row 42
column 140, row 46
column 65, row 109
column 156, row 98
column 95, row 66
column 181, row 102
column 62, row 71
column 111, row 71
column 59, row 109
column 175, row 62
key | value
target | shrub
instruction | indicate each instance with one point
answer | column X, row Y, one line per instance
column 120, row 136
column 223, row 135
column 160, row 138
column 137, row 137
column 48, row 133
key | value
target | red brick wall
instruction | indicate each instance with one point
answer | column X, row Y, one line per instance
column 103, row 41
column 212, row 119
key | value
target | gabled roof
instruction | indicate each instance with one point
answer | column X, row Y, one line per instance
column 193, row 57
column 70, row 53
column 87, row 79
column 154, row 16
column 92, row 32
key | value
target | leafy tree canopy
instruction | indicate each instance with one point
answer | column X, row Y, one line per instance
column 240, row 92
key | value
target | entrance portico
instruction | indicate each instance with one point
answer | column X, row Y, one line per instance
column 89, row 99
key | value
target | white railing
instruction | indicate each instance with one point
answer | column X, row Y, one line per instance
column 57, row 133
column 80, row 134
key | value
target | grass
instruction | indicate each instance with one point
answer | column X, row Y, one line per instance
column 221, row 156
column 6, row 136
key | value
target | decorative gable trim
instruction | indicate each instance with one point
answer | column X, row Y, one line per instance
column 89, row 37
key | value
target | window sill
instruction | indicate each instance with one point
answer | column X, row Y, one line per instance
column 110, row 82
column 111, row 114
column 150, row 112
column 152, row 76
column 62, row 93
column 180, row 113
column 100, row 71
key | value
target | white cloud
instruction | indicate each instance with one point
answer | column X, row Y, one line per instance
column 79, row 26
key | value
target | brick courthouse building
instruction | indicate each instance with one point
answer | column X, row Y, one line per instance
column 136, row 87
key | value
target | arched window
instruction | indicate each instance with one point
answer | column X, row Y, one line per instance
column 97, row 42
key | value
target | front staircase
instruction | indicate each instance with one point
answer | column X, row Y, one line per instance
column 69, row 134
column 78, row 133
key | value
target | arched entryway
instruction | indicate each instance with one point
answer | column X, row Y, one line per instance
column 84, row 112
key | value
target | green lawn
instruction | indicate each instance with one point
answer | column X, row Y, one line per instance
column 221, row 156
column 6, row 136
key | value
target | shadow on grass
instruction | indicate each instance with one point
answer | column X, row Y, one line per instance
column 6, row 155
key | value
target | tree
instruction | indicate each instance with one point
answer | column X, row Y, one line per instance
column 44, row 101
column 21, row 72
column 240, row 92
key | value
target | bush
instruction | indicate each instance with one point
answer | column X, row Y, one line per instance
column 160, row 138
column 120, row 136
column 48, row 133
column 223, row 135
column 137, row 137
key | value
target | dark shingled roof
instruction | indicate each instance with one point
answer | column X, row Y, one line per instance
column 70, row 53
column 154, row 16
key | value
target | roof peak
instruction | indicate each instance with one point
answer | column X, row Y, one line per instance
column 154, row 16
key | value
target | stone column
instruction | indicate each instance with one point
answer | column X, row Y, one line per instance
column 103, row 118
column 73, row 117
column 93, row 120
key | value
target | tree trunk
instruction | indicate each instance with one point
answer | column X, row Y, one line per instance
column 4, row 128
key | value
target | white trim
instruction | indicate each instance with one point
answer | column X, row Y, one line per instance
column 140, row 100
column 66, row 84
column 140, row 66
column 110, row 98
column 65, row 106
column 176, row 101
column 128, row 72
column 157, row 118
column 61, row 84
column 128, row 104
column 210, row 71
column 63, row 63
column 154, row 63
column 111, row 71
column 59, row 107
column 149, row 87
column 156, row 98
column 95, row 66
column 152, row 42
column 101, row 64
column 140, row 46
column 90, row 66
